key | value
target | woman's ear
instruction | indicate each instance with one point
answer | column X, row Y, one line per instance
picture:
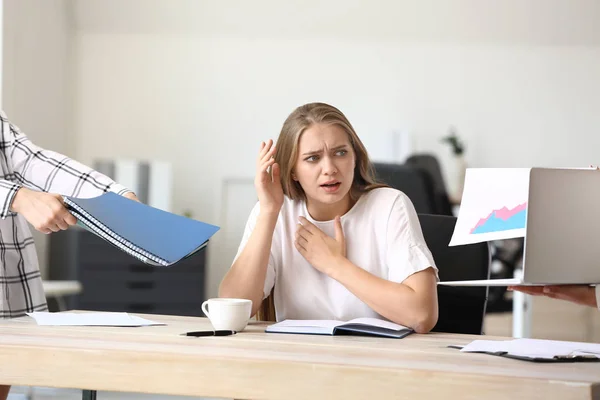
column 294, row 177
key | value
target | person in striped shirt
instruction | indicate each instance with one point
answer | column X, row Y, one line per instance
column 32, row 183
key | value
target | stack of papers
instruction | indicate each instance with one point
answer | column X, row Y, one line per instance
column 90, row 319
column 535, row 348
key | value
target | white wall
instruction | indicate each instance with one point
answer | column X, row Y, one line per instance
column 201, row 84
column 37, row 69
column 553, row 22
column 37, row 76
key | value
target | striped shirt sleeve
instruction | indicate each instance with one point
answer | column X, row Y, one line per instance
column 8, row 190
column 45, row 170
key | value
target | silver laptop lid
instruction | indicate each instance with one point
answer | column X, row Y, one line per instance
column 562, row 240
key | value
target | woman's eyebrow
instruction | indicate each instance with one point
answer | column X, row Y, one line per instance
column 342, row 146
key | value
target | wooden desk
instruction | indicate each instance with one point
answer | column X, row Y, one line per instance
column 255, row 365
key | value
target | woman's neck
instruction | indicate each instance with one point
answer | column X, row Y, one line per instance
column 326, row 212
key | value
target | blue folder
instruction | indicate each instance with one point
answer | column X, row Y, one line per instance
column 151, row 235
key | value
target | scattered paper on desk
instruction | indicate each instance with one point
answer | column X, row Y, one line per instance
column 535, row 348
column 90, row 319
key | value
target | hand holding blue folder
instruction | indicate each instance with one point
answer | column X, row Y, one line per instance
column 153, row 236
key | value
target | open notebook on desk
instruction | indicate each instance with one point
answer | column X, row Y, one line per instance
column 151, row 235
column 358, row 327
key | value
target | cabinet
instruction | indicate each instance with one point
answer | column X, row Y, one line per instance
column 115, row 281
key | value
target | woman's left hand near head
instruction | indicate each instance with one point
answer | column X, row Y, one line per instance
column 320, row 250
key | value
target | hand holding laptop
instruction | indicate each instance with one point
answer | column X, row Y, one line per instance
column 579, row 294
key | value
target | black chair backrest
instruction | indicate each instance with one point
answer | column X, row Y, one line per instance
column 431, row 166
column 461, row 309
column 415, row 183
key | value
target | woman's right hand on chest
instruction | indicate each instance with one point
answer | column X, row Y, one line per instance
column 268, row 184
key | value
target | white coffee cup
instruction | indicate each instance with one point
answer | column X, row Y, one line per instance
column 228, row 314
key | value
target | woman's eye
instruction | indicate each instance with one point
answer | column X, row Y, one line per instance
column 311, row 158
column 341, row 152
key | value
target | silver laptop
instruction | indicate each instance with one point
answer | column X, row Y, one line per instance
column 562, row 239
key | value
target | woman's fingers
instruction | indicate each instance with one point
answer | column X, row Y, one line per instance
column 261, row 152
column 269, row 154
column 264, row 176
column 302, row 241
column 265, row 147
column 62, row 225
column 276, row 175
column 300, row 248
column 266, row 164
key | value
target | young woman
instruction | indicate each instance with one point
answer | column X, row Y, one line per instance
column 325, row 238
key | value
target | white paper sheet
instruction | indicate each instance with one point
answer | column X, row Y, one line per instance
column 493, row 205
column 90, row 319
column 537, row 348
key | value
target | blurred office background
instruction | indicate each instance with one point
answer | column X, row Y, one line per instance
column 197, row 85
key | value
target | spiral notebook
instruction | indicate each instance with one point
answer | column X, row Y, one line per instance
column 153, row 236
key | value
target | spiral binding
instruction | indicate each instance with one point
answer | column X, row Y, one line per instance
column 104, row 232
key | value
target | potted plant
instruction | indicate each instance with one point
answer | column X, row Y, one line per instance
column 457, row 147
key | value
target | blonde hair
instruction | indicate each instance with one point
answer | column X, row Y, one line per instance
column 294, row 126
column 266, row 311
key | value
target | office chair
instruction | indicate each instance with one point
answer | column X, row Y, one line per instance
column 461, row 309
column 413, row 182
column 431, row 166
column 506, row 253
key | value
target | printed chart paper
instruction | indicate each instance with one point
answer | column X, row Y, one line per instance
column 493, row 206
